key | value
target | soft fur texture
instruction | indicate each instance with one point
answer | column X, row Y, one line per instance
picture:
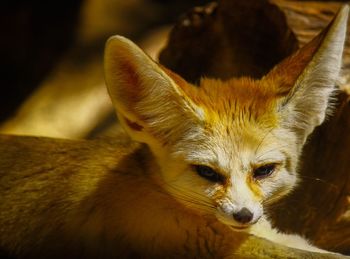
column 144, row 196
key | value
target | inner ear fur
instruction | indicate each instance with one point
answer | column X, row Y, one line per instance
column 306, row 80
column 149, row 101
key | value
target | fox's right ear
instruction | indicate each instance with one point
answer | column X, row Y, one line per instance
column 150, row 101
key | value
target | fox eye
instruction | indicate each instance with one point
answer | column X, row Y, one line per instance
column 209, row 173
column 264, row 171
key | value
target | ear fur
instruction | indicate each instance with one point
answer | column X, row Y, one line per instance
column 306, row 80
column 150, row 105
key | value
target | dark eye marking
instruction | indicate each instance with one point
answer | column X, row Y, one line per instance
column 209, row 173
column 264, row 171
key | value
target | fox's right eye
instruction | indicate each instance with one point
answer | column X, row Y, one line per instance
column 209, row 173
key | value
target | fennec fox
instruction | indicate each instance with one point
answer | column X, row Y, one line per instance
column 191, row 176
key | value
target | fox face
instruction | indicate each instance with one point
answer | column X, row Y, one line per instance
column 235, row 156
column 225, row 148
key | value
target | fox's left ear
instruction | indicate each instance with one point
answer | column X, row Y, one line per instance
column 305, row 81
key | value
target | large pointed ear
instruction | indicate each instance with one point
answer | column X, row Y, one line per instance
column 150, row 101
column 305, row 81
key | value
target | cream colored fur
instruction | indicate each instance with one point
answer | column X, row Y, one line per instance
column 143, row 194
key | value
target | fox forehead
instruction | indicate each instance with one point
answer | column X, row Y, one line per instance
column 233, row 101
column 236, row 116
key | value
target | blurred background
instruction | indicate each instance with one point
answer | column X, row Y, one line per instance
column 52, row 81
column 55, row 50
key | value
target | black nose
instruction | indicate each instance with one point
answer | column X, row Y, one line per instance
column 243, row 216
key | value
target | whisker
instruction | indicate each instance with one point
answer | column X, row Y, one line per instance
column 262, row 140
column 187, row 191
column 191, row 197
column 178, row 194
column 319, row 180
column 287, row 203
column 273, row 149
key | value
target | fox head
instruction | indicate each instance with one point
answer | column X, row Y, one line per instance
column 226, row 148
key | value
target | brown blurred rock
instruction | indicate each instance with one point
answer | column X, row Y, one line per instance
column 233, row 38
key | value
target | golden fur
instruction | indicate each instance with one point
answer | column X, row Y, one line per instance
column 145, row 195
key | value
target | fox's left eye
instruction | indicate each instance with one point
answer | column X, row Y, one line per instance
column 209, row 173
column 264, row 171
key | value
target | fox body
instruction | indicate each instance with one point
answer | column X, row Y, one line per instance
column 78, row 213
column 192, row 172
